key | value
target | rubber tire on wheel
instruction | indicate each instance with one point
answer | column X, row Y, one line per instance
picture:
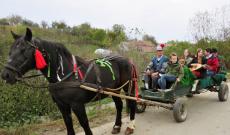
column 140, row 108
column 180, row 110
column 223, row 92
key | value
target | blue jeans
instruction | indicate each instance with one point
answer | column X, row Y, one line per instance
column 152, row 81
column 164, row 79
column 210, row 73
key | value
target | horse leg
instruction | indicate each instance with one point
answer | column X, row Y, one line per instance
column 66, row 114
column 80, row 112
column 119, row 105
column 132, row 109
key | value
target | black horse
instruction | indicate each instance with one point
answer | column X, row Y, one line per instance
column 59, row 68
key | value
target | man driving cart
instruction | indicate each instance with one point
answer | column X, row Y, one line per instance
column 156, row 67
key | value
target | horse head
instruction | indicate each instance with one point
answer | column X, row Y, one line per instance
column 21, row 57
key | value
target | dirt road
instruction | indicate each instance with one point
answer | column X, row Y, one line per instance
column 206, row 116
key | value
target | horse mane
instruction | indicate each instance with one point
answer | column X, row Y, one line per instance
column 52, row 47
column 82, row 61
column 55, row 47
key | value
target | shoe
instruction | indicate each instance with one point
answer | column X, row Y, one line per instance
column 146, row 86
column 194, row 85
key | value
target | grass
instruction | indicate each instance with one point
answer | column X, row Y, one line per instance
column 96, row 117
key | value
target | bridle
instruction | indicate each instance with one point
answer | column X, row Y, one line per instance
column 21, row 79
column 18, row 70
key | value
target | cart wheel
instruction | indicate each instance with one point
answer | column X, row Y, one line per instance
column 223, row 92
column 180, row 110
column 140, row 108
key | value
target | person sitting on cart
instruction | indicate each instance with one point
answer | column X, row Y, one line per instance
column 155, row 67
column 212, row 63
column 187, row 57
column 197, row 67
column 197, row 63
column 174, row 72
column 222, row 66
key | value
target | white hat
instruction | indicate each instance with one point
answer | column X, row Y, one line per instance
column 159, row 48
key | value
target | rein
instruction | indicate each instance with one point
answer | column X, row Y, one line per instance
column 104, row 62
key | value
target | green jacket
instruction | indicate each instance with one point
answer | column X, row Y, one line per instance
column 175, row 69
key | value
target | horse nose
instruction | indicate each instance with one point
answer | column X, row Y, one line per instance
column 5, row 75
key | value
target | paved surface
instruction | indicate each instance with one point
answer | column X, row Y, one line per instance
column 206, row 116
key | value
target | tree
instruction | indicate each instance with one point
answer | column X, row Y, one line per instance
column 152, row 39
column 29, row 23
column 117, row 34
column 4, row 21
column 99, row 35
column 15, row 20
column 117, row 28
column 222, row 23
column 81, row 30
column 44, row 24
column 211, row 25
column 59, row 25
column 201, row 26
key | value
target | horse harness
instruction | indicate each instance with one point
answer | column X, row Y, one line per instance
column 76, row 72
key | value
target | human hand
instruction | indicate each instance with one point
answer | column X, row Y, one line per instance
column 148, row 72
column 178, row 79
column 205, row 66
column 154, row 74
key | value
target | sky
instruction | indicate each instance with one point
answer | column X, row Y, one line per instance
column 164, row 19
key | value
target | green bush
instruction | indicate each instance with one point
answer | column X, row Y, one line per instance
column 22, row 105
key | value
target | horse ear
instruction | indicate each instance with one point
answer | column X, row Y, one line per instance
column 28, row 36
column 15, row 36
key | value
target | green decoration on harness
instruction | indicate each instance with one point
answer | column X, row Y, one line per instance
column 105, row 63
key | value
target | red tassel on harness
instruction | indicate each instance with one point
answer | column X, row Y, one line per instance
column 40, row 61
column 134, row 78
column 75, row 69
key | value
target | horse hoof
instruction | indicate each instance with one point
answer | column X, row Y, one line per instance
column 116, row 130
column 128, row 131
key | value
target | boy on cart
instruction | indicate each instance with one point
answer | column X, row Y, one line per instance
column 174, row 72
